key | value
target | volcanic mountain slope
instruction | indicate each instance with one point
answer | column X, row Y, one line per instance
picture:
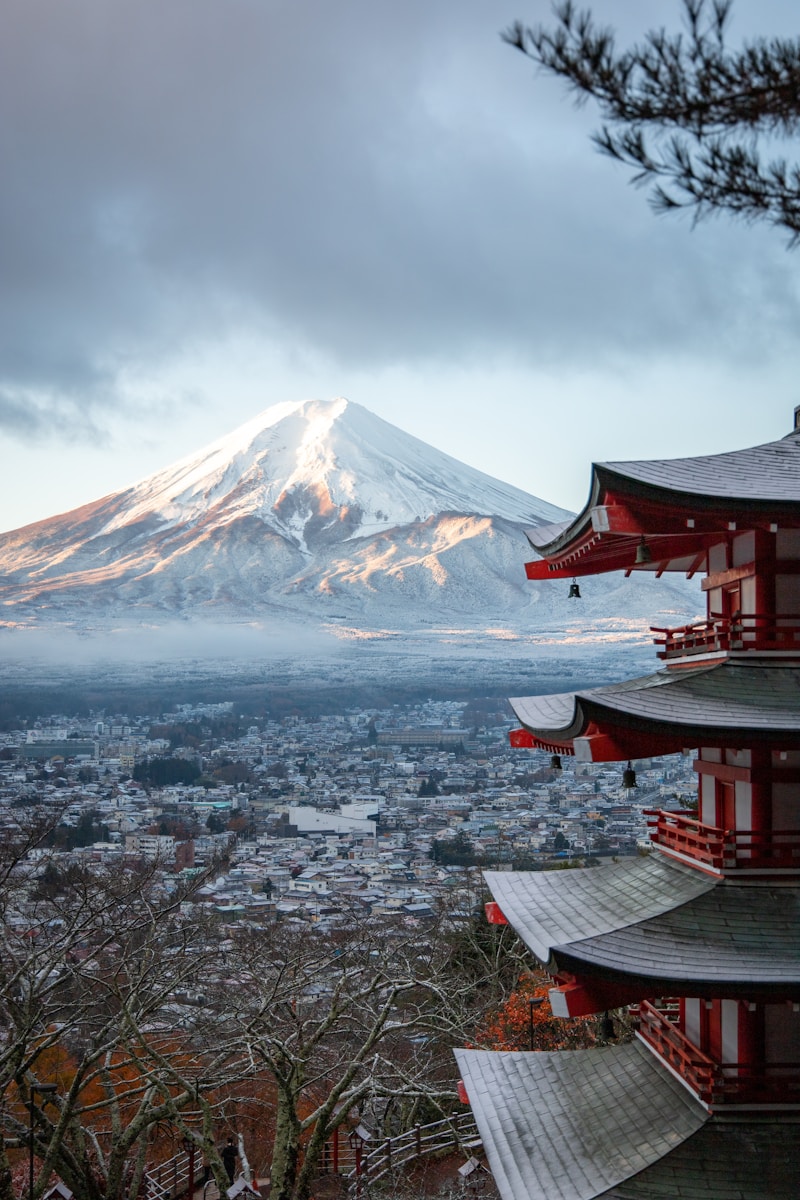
column 313, row 511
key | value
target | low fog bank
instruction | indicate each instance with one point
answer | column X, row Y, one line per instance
column 148, row 670
column 148, row 645
column 297, row 649
column 151, row 670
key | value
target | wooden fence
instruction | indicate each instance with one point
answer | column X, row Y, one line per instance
column 371, row 1163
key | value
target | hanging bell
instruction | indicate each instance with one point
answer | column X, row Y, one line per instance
column 629, row 777
column 555, row 762
column 574, row 591
column 643, row 553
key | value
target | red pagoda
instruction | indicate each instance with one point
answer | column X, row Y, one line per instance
column 702, row 934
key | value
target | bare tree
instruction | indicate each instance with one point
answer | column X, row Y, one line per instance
column 89, row 962
column 332, row 1025
column 690, row 115
column 304, row 1027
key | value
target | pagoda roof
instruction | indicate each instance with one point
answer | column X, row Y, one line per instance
column 746, row 1161
column 552, row 908
column 712, row 704
column 570, row 1125
column 613, row 1122
column 764, row 474
column 680, row 505
column 655, row 920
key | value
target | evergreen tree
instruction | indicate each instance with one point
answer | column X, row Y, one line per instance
column 692, row 117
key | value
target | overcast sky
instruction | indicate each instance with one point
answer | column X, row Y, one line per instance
column 211, row 206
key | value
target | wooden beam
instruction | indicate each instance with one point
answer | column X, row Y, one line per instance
column 721, row 578
column 722, row 771
column 615, row 518
column 697, row 564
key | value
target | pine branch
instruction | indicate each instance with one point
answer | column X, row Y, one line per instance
column 684, row 111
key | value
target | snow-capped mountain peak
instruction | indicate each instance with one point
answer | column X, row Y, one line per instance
column 322, row 464
column 315, row 513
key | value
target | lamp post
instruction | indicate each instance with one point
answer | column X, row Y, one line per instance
column 188, row 1148
column 44, row 1089
column 358, row 1139
column 472, row 1176
column 533, row 1002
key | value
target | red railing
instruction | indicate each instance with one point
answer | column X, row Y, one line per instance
column 713, row 1082
column 724, row 849
column 684, row 834
column 752, row 631
column 675, row 1049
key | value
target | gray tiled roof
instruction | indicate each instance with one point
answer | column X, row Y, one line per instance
column 572, row 1124
column 768, row 472
column 655, row 919
column 735, row 695
column 767, row 475
column 552, row 908
column 733, row 936
column 742, row 1160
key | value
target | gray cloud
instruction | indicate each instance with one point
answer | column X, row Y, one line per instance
column 381, row 183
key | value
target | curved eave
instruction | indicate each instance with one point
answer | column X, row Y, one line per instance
column 555, row 908
column 679, row 506
column 550, row 540
column 717, row 704
column 574, row 1123
column 558, row 717
column 613, row 1122
column 653, row 925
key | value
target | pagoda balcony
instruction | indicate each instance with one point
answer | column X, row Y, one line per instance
column 765, row 632
column 717, row 1083
column 724, row 850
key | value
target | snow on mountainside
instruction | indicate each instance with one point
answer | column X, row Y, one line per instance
column 317, row 465
column 313, row 512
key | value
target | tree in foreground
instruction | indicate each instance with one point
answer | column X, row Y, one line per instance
column 90, row 959
column 128, row 1016
column 293, row 1031
column 695, row 119
column 335, row 1025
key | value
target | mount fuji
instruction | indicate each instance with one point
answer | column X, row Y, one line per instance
column 317, row 514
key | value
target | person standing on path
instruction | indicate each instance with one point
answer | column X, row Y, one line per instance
column 229, row 1154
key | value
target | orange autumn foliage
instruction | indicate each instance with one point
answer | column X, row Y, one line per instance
column 509, row 1026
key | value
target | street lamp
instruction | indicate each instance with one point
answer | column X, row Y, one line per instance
column 188, row 1149
column 358, row 1139
column 44, row 1089
column 533, row 1002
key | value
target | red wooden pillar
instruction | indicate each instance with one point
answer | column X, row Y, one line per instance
column 751, row 1033
column 761, row 789
column 765, row 571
